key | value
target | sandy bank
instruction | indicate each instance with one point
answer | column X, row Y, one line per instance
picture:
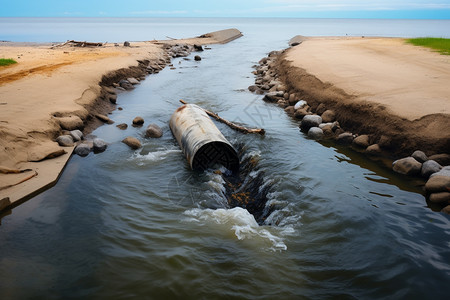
column 49, row 83
column 378, row 86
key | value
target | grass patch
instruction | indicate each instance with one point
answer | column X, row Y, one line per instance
column 7, row 62
column 441, row 45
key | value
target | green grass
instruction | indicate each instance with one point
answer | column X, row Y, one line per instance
column 439, row 44
column 7, row 62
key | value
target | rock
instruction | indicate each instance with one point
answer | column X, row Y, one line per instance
column 419, row 156
column 126, row 44
column 122, row 126
column 442, row 159
column 442, row 197
column 282, row 103
column 71, row 123
column 4, row 203
column 320, row 109
column 265, row 87
column 361, row 141
column 290, row 110
column 252, row 88
column 126, row 84
column 345, row 138
column 77, row 135
column 198, row 48
column 445, row 171
column 45, row 150
column 437, row 184
column 133, row 80
column 373, row 149
column 300, row 104
column 132, row 142
column 197, row 58
column 112, row 98
column 429, row 167
column 271, row 97
column 109, row 90
column 153, row 131
column 385, row 142
column 446, row 209
column 310, row 121
column 315, row 133
column 335, row 126
column 82, row 149
column 138, row 121
column 327, row 131
column 65, row 140
column 301, row 113
column 328, row 116
column 104, row 118
column 407, row 166
column 99, row 145
column 321, row 126
column 293, row 99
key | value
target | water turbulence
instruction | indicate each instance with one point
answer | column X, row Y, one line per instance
column 206, row 148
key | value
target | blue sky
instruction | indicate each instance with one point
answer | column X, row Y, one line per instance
column 416, row 9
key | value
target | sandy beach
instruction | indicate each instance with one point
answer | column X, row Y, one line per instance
column 378, row 86
column 51, row 82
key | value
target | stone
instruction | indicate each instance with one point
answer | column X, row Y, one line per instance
column 361, row 141
column 126, row 84
column 271, row 97
column 385, row 142
column 153, row 131
column 301, row 113
column 82, row 149
column 328, row 116
column 300, row 104
column 138, row 121
column 407, row 166
column 4, row 203
column 442, row 197
column 438, row 184
column 419, row 156
column 320, row 109
column 327, row 130
column 46, row 150
column 373, row 149
column 65, row 140
column 321, row 126
column 445, row 171
column 429, row 167
column 77, row 135
column 345, row 138
column 71, row 123
column 197, row 58
column 132, row 142
column 282, row 103
column 335, row 126
column 122, row 126
column 292, row 99
column 315, row 133
column 112, row 98
column 442, row 159
column 109, row 89
column 252, row 88
column 126, row 44
column 104, row 118
column 446, row 209
column 133, row 80
column 310, row 121
column 290, row 110
column 198, row 47
column 99, row 145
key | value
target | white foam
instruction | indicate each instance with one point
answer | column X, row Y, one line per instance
column 242, row 223
column 153, row 156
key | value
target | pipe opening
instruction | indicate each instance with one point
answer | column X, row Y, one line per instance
column 216, row 153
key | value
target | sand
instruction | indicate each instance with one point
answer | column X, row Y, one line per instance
column 50, row 82
column 388, row 87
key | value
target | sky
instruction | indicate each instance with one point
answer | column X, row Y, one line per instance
column 397, row 9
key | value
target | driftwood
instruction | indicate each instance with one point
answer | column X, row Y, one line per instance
column 80, row 44
column 231, row 124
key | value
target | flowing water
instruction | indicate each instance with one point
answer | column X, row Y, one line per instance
column 141, row 224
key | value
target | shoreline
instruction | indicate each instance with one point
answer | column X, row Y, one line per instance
column 53, row 84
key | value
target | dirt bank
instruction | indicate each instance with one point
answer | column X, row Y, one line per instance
column 378, row 86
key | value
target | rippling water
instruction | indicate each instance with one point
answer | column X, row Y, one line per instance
column 141, row 224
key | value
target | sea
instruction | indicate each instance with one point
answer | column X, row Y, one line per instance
column 140, row 224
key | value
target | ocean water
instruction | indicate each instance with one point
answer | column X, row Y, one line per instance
column 140, row 224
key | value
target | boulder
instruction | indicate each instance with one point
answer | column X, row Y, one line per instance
column 198, row 47
column 310, row 121
column 99, row 145
column 437, row 184
column 71, row 123
column 328, row 116
column 271, row 97
column 132, row 142
column 345, row 138
column 126, row 44
column 82, row 149
column 442, row 159
column 361, row 141
column 373, row 149
column 442, row 197
column 153, row 131
column 65, row 140
column 301, row 113
column 138, row 121
column 122, row 126
column 315, row 133
column 445, row 171
column 197, row 58
column 429, row 167
column 407, row 166
column 290, row 110
column 133, row 80
column 420, row 156
column 77, row 135
column 300, row 104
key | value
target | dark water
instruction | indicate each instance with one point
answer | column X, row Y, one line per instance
column 141, row 224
